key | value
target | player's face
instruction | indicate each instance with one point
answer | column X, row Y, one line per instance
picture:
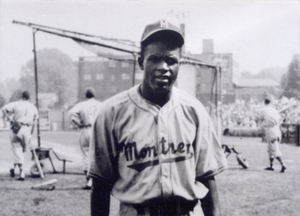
column 160, row 65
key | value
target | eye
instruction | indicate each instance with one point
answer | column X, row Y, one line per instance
column 154, row 59
column 171, row 61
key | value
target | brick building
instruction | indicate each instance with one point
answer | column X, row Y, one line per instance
column 110, row 76
column 233, row 86
column 107, row 76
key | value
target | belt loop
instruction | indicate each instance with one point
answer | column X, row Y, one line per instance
column 147, row 211
column 178, row 209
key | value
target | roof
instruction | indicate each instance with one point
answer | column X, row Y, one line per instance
column 256, row 83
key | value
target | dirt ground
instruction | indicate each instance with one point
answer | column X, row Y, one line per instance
column 246, row 192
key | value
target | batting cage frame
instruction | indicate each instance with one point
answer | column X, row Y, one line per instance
column 93, row 42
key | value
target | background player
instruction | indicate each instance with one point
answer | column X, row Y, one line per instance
column 271, row 122
column 83, row 116
column 22, row 116
column 154, row 146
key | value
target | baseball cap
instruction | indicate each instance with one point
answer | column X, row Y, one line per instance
column 163, row 29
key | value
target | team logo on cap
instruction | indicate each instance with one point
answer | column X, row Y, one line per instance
column 164, row 24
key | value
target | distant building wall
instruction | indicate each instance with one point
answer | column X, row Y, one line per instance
column 107, row 77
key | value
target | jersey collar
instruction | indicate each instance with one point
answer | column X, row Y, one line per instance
column 141, row 102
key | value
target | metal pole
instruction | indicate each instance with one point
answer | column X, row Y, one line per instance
column 221, row 102
column 36, row 87
column 134, row 63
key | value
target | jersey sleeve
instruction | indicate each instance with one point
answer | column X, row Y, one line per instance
column 74, row 113
column 210, row 157
column 103, row 153
column 8, row 110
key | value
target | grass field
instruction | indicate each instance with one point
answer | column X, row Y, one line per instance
column 243, row 192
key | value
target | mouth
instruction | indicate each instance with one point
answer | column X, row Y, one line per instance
column 163, row 79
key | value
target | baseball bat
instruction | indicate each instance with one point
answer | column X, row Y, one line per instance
column 51, row 181
column 38, row 164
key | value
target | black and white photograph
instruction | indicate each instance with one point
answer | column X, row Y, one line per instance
column 149, row 108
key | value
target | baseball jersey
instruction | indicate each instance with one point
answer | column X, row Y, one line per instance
column 23, row 111
column 271, row 120
column 85, row 112
column 153, row 152
column 270, row 116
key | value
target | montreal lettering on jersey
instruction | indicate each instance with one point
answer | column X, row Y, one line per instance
column 181, row 152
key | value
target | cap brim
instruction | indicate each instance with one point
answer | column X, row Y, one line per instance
column 164, row 33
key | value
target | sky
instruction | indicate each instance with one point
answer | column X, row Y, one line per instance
column 259, row 34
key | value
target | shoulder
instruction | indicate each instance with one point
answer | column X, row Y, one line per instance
column 192, row 107
column 11, row 105
column 76, row 107
column 32, row 106
column 189, row 101
column 116, row 102
column 114, row 108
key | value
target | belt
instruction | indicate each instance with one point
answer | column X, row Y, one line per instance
column 85, row 126
column 23, row 124
column 175, row 207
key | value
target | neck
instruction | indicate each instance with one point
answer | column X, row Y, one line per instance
column 159, row 98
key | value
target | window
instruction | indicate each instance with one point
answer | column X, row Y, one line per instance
column 112, row 77
column 124, row 64
column 87, row 77
column 125, row 76
column 111, row 64
column 100, row 76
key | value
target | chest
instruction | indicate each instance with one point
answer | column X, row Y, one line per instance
column 144, row 135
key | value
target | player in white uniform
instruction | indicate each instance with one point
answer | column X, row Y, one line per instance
column 24, row 114
column 271, row 122
column 154, row 146
column 83, row 115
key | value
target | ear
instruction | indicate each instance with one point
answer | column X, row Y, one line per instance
column 140, row 60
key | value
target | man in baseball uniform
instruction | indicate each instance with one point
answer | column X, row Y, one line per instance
column 271, row 122
column 154, row 146
column 83, row 116
column 22, row 116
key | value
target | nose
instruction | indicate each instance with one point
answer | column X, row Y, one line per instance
column 163, row 66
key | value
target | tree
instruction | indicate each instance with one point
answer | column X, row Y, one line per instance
column 292, row 82
column 56, row 74
column 274, row 73
column 17, row 94
column 8, row 87
column 283, row 80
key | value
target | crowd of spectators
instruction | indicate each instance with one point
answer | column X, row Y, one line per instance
column 247, row 114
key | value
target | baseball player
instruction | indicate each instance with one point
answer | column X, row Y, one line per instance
column 271, row 122
column 83, row 116
column 22, row 116
column 154, row 146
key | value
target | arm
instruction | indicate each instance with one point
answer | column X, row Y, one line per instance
column 100, row 198
column 33, row 125
column 7, row 115
column 210, row 203
column 79, row 125
column 74, row 115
